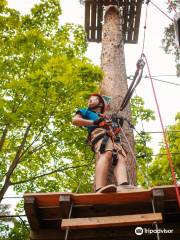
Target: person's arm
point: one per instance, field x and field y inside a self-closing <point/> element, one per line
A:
<point x="79" y="121"/>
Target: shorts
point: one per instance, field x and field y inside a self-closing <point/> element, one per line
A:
<point x="109" y="145"/>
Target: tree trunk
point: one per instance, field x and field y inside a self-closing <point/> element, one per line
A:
<point x="114" y="83"/>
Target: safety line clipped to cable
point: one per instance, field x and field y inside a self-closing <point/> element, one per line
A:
<point x="161" y="11"/>
<point x="136" y="80"/>
<point x="164" y="135"/>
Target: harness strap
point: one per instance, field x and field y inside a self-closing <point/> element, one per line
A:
<point x="103" y="144"/>
<point x="96" y="139"/>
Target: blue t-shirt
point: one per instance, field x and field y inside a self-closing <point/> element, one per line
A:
<point x="89" y="115"/>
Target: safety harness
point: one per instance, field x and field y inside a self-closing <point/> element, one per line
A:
<point x="112" y="127"/>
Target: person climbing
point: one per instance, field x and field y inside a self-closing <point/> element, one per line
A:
<point x="104" y="143"/>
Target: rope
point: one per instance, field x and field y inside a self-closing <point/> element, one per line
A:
<point x="156" y="225"/>
<point x="145" y="26"/>
<point x="161" y="11"/>
<point x="164" y="135"/>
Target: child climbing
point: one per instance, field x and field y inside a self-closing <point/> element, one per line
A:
<point x="105" y="142"/>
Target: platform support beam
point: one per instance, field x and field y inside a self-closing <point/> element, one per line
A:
<point x="65" y="204"/>
<point x="31" y="209"/>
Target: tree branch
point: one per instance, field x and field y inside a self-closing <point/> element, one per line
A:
<point x="14" y="164"/>
<point x="3" y="137"/>
<point x="46" y="174"/>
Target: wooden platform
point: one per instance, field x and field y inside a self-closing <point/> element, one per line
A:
<point x="103" y="216"/>
<point x="94" y="11"/>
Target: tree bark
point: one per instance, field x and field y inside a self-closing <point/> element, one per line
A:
<point x="13" y="165"/>
<point x="115" y="83"/>
<point x="3" y="137"/>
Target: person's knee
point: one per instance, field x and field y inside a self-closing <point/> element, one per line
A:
<point x="105" y="156"/>
<point x="108" y="154"/>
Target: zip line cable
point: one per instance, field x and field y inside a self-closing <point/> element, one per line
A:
<point x="164" y="75"/>
<point x="169" y="131"/>
<point x="172" y="83"/>
<point x="161" y="11"/>
<point x="160" y="154"/>
<point x="164" y="134"/>
<point x="160" y="80"/>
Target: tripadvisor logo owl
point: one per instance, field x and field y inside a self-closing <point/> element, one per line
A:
<point x="139" y="231"/>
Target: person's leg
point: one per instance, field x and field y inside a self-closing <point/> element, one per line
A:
<point x="120" y="171"/>
<point x="103" y="162"/>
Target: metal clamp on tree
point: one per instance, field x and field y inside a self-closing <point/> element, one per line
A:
<point x="177" y="28"/>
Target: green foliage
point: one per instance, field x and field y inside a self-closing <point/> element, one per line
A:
<point x="44" y="78"/>
<point x="169" y="44"/>
<point x="20" y="231"/>
<point x="139" y="113"/>
<point x="143" y="152"/>
<point x="4" y="222"/>
<point x="160" y="169"/>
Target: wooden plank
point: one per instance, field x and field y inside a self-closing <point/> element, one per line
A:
<point x="31" y="211"/>
<point x="137" y="20"/>
<point x="143" y="195"/>
<point x="111" y="221"/>
<point x="46" y="199"/>
<point x="125" y="20"/>
<point x="93" y="20"/>
<point x="99" y="20"/>
<point x="131" y="20"/>
<point x="113" y="198"/>
<point x="87" y="18"/>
